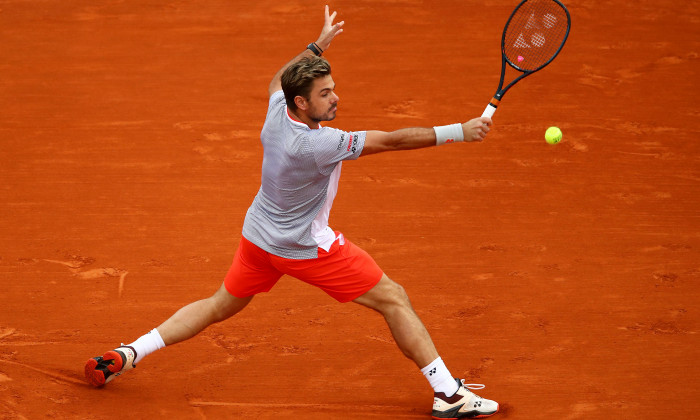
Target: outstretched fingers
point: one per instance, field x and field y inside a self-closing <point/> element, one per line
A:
<point x="330" y="18"/>
<point x="329" y="30"/>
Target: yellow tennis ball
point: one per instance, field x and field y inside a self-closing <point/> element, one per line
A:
<point x="553" y="135"/>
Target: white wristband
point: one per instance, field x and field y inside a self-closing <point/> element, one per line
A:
<point x="447" y="134"/>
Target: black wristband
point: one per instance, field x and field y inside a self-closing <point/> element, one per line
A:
<point x="315" y="49"/>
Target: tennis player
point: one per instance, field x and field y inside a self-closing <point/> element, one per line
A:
<point x="286" y="229"/>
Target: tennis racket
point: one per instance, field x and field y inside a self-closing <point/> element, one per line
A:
<point x="533" y="36"/>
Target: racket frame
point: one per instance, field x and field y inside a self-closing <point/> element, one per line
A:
<point x="500" y="91"/>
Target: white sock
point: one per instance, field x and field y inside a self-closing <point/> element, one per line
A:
<point x="147" y="344"/>
<point x="440" y="378"/>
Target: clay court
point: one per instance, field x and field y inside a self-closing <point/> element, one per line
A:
<point x="563" y="277"/>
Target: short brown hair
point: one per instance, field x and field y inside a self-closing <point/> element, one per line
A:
<point x="298" y="78"/>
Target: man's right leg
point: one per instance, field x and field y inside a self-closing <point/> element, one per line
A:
<point x="195" y="317"/>
<point x="184" y="324"/>
<point x="251" y="273"/>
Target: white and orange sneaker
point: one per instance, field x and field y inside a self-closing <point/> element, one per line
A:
<point x="102" y="369"/>
<point x="464" y="404"/>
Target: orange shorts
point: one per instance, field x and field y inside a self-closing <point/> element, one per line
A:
<point x="345" y="272"/>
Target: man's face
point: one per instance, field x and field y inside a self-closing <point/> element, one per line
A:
<point x="323" y="102"/>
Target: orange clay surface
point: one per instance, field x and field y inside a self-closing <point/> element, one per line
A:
<point x="564" y="277"/>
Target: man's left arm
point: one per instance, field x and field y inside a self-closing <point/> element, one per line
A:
<point x="417" y="138"/>
<point x="329" y="31"/>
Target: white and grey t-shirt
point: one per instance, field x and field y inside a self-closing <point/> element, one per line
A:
<point x="300" y="174"/>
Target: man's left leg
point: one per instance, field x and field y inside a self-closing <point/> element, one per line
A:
<point x="452" y="398"/>
<point x="390" y="299"/>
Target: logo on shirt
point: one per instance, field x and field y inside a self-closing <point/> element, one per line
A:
<point x="342" y="140"/>
<point x="352" y="145"/>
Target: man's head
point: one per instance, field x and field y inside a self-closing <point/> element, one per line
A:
<point x="308" y="85"/>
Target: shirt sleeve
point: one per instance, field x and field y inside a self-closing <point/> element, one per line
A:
<point x="276" y="99"/>
<point x="331" y="146"/>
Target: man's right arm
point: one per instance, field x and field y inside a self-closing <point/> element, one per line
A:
<point x="328" y="32"/>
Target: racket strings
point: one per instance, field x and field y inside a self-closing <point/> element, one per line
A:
<point x="535" y="34"/>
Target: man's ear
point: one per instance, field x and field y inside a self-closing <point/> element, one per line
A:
<point x="301" y="102"/>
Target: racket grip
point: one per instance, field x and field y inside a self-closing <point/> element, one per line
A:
<point x="489" y="111"/>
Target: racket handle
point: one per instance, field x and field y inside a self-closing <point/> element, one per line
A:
<point x="489" y="111"/>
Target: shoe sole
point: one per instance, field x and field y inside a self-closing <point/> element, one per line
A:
<point x="480" y="416"/>
<point x="96" y="377"/>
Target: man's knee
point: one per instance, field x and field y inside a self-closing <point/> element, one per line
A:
<point x="387" y="296"/>
<point x="398" y="294"/>
<point x="393" y="297"/>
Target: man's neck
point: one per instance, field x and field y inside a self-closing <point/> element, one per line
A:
<point x="301" y="116"/>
